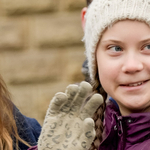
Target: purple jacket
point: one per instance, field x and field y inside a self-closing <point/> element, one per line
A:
<point x="125" y="133"/>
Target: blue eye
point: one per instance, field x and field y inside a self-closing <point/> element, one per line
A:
<point x="116" y="48"/>
<point x="147" y="47"/>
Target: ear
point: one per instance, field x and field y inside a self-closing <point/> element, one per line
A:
<point x="83" y="21"/>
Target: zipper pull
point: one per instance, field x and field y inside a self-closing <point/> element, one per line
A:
<point x="120" y="128"/>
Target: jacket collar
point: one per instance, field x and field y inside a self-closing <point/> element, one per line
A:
<point x="123" y="132"/>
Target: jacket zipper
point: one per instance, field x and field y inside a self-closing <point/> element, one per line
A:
<point x="120" y="133"/>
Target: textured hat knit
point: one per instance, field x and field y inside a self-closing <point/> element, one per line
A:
<point x="102" y="14"/>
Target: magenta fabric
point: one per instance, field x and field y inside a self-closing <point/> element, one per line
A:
<point x="33" y="148"/>
<point x="125" y="133"/>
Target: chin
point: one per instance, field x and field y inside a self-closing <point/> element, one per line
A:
<point x="138" y="109"/>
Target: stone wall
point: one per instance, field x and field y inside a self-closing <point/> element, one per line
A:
<point x="40" y="50"/>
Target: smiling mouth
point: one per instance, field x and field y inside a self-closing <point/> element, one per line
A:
<point x="135" y="84"/>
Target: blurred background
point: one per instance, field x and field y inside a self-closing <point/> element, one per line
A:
<point x="40" y="50"/>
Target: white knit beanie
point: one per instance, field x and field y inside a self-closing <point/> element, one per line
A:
<point x="103" y="13"/>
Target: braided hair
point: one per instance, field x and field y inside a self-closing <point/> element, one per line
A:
<point x="98" y="116"/>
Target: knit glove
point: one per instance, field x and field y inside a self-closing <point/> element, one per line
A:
<point x="67" y="125"/>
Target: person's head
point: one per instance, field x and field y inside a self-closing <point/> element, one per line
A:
<point x="117" y="41"/>
<point x="123" y="58"/>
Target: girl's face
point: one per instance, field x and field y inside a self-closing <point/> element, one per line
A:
<point x="123" y="57"/>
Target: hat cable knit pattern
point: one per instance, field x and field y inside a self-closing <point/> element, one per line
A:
<point x="102" y="14"/>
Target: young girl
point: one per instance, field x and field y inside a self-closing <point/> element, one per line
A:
<point x="117" y="42"/>
<point x="16" y="131"/>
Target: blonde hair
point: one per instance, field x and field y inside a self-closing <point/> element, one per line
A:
<point x="8" y="128"/>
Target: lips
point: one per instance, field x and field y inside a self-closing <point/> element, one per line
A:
<point x="135" y="84"/>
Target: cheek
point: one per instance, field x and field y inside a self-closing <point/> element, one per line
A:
<point x="107" y="74"/>
<point x="108" y="70"/>
<point x="148" y="64"/>
<point x="104" y="72"/>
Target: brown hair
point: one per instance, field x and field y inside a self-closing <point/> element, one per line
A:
<point x="8" y="128"/>
<point x="98" y="116"/>
<point x="88" y="2"/>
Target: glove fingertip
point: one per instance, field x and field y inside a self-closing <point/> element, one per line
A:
<point x="57" y="101"/>
<point x="85" y="84"/>
<point x="60" y="94"/>
<point x="60" y="97"/>
<point x="98" y="98"/>
<point x="89" y="122"/>
<point x="84" y="89"/>
<point x="72" y="89"/>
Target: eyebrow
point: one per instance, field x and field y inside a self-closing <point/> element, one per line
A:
<point x="118" y="41"/>
<point x="111" y="40"/>
<point x="145" y="40"/>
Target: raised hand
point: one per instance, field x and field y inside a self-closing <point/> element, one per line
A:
<point x="68" y="124"/>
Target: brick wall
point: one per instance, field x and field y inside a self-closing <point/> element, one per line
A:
<point x="40" y="50"/>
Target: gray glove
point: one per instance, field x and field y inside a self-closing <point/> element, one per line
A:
<point x="67" y="125"/>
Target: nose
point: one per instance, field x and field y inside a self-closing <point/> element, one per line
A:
<point x="132" y="64"/>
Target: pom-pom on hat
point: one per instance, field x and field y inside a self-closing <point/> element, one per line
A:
<point x="104" y="13"/>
